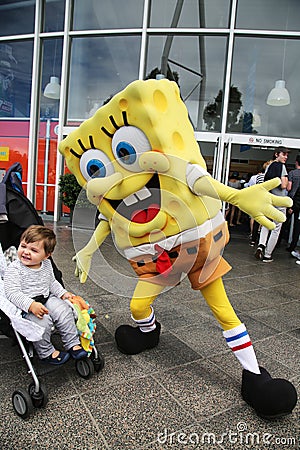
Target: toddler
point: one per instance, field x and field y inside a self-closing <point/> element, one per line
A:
<point x="30" y="285"/>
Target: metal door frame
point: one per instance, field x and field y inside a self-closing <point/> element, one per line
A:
<point x="223" y="147"/>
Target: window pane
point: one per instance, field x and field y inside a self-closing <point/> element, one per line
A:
<point x="257" y="64"/>
<point x="15" y="78"/>
<point x="207" y="150"/>
<point x="192" y="14"/>
<point x="52" y="54"/>
<point x="100" y="67"/>
<point x="54" y="15"/>
<point x="197" y="55"/>
<point x="46" y="166"/>
<point x="47" y="138"/>
<point x="16" y="17"/>
<point x="107" y="14"/>
<point x="273" y="14"/>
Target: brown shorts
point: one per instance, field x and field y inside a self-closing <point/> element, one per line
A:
<point x="201" y="260"/>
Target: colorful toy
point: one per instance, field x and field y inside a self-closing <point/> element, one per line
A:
<point x="140" y="164"/>
<point x="85" y="322"/>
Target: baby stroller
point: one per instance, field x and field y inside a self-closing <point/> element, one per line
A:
<point x="17" y="213"/>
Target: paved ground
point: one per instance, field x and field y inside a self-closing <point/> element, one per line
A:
<point x="185" y="394"/>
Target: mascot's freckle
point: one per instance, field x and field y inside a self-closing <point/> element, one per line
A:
<point x="140" y="164"/>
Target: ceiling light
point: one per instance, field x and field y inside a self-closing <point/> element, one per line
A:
<point x="279" y="95"/>
<point x="52" y="90"/>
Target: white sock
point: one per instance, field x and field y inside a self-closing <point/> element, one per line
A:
<point x="148" y="324"/>
<point x="239" y="341"/>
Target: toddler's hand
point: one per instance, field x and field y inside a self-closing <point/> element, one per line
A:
<point x="38" y="309"/>
<point x="67" y="295"/>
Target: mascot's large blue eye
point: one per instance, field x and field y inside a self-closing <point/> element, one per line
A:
<point x="128" y="143"/>
<point x="96" y="168"/>
<point x="95" y="164"/>
<point x="126" y="152"/>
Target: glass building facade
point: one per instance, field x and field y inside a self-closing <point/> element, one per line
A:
<point x="227" y="56"/>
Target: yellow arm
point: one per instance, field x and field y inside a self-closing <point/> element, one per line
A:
<point x="255" y="200"/>
<point x="84" y="257"/>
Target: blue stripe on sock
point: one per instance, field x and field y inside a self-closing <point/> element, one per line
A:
<point x="237" y="336"/>
<point x="146" y="322"/>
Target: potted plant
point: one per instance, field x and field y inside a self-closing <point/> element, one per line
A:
<point x="69" y="189"/>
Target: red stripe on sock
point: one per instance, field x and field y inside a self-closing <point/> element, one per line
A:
<point x="240" y="347"/>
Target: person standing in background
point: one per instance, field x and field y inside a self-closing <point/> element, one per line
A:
<point x="268" y="239"/>
<point x="235" y="183"/>
<point x="294" y="192"/>
<point x="256" y="179"/>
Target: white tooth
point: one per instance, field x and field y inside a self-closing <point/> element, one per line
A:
<point x="143" y="193"/>
<point x="139" y="195"/>
<point x="130" y="200"/>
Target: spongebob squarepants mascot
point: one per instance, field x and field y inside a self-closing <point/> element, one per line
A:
<point x="140" y="164"/>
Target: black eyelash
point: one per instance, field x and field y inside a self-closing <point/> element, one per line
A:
<point x="114" y="122"/>
<point x="125" y="118"/>
<point x="111" y="118"/>
<point x="81" y="145"/>
<point x="91" y="142"/>
<point x="107" y="132"/>
<point x="74" y="153"/>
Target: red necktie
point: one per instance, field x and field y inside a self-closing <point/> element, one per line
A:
<point x="163" y="262"/>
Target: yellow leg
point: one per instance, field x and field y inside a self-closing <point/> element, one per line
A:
<point x="216" y="298"/>
<point x="143" y="296"/>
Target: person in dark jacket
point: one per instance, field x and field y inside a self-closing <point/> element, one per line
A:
<point x="294" y="192"/>
<point x="268" y="239"/>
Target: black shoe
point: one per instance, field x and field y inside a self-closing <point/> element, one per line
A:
<point x="80" y="353"/>
<point x="131" y="340"/>
<point x="60" y="359"/>
<point x="259" y="252"/>
<point x="267" y="259"/>
<point x="271" y="398"/>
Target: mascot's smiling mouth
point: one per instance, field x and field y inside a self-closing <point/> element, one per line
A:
<point x="143" y="205"/>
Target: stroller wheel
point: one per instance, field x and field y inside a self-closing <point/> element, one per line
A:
<point x="85" y="368"/>
<point x="39" y="399"/>
<point x="98" y="360"/>
<point x="22" y="403"/>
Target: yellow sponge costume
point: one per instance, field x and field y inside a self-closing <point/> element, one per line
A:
<point x="140" y="164"/>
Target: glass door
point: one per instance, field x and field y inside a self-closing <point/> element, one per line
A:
<point x="238" y="157"/>
<point x="248" y="152"/>
<point x="229" y="153"/>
